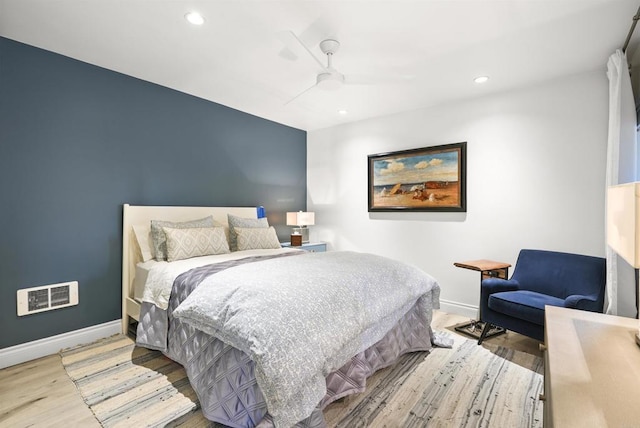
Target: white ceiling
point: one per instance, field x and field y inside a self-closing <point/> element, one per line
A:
<point x="421" y="53"/>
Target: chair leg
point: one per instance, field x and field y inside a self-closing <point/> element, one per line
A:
<point x="485" y="330"/>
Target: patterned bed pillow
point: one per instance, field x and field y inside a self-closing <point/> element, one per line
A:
<point x="159" y="238"/>
<point x="243" y="222"/>
<point x="256" y="238"/>
<point x="195" y="242"/>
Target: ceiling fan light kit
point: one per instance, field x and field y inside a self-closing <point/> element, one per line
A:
<point x="329" y="81"/>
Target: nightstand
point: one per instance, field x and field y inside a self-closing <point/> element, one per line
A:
<point x="312" y="247"/>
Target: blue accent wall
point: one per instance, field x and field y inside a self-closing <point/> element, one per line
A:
<point x="77" y="141"/>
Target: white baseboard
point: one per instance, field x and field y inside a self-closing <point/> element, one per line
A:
<point x="458" y="308"/>
<point x="51" y="345"/>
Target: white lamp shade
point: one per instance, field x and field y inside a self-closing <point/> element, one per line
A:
<point x="300" y="218"/>
<point x="623" y="221"/>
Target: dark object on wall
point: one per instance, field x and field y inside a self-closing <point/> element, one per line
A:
<point x="425" y="179"/>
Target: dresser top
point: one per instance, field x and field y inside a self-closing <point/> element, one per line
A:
<point x="593" y="368"/>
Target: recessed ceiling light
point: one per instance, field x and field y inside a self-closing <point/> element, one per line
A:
<point x="481" y="79"/>
<point x="342" y="112"/>
<point x="195" y="18"/>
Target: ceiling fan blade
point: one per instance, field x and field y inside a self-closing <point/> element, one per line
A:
<point x="297" y="39"/>
<point x="301" y="93"/>
<point x="287" y="51"/>
<point x="364" y="79"/>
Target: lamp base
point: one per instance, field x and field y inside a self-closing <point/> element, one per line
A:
<point x="304" y="231"/>
<point x="296" y="240"/>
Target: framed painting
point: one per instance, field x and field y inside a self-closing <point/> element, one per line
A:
<point x="425" y="179"/>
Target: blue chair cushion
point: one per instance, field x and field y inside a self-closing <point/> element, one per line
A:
<point x="523" y="304"/>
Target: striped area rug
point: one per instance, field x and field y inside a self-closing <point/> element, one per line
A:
<point x="128" y="386"/>
<point x="466" y="386"/>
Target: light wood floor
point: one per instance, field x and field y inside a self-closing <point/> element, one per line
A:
<point x="39" y="394"/>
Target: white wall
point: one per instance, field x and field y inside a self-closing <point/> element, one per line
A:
<point x="535" y="179"/>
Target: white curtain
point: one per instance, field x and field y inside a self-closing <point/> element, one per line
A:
<point x="621" y="153"/>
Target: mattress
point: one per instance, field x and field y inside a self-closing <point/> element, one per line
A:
<point x="140" y="279"/>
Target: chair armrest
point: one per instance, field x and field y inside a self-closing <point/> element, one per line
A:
<point x="497" y="285"/>
<point x="494" y="285"/>
<point x="578" y="301"/>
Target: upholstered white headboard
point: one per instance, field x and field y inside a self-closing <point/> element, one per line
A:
<point x="139" y="215"/>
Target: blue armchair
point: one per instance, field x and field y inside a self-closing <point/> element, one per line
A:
<point x="541" y="278"/>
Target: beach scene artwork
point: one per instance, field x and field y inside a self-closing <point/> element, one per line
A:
<point x="422" y="179"/>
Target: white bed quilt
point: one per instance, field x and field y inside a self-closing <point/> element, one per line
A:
<point x="326" y="307"/>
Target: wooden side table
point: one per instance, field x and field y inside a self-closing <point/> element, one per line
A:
<point x="487" y="269"/>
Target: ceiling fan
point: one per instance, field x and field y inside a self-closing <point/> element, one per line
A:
<point x="330" y="78"/>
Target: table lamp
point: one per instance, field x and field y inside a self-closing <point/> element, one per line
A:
<point x="623" y="227"/>
<point x="300" y="220"/>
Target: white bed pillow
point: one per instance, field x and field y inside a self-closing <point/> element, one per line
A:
<point x="243" y="222"/>
<point x="159" y="239"/>
<point x="195" y="242"/>
<point x="142" y="233"/>
<point x="256" y="238"/>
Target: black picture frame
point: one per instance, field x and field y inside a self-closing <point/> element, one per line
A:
<point x="424" y="179"/>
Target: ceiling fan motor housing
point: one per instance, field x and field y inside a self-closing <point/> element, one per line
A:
<point x="330" y="81"/>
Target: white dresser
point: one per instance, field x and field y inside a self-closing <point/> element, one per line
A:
<point x="592" y="370"/>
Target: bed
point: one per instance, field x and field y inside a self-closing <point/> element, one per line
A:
<point x="270" y="336"/>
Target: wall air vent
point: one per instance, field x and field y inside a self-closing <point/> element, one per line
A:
<point x="47" y="297"/>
